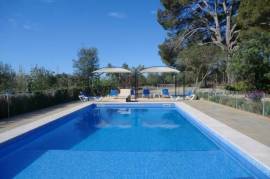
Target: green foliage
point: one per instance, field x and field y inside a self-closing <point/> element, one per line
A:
<point x="202" y="61"/>
<point x="239" y="103"/>
<point x="169" y="52"/>
<point x="21" y="81"/>
<point x="86" y="63"/>
<point x="7" y="77"/>
<point x="22" y="103"/>
<point x="251" y="63"/>
<point x="103" y="87"/>
<point x="169" y="17"/>
<point x="254" y="14"/>
<point x="41" y="79"/>
<point x="198" y="56"/>
<point x="64" y="81"/>
<point x="243" y="86"/>
<point x="230" y="88"/>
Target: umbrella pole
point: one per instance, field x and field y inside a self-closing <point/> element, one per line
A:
<point x="184" y="83"/>
<point x="175" y="85"/>
<point x="136" y="84"/>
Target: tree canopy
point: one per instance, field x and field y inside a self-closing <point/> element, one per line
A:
<point x="239" y="28"/>
<point x="251" y="63"/>
<point x="86" y="63"/>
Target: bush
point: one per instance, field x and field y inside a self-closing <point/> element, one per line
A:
<point x="230" y="88"/>
<point x="239" y="86"/>
<point x="22" y="103"/>
<point x="255" y="95"/>
<point x="243" y="86"/>
<point x="267" y="108"/>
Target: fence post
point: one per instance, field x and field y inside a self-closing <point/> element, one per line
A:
<point x="8" y="111"/>
<point x="235" y="99"/>
<point x="263" y="105"/>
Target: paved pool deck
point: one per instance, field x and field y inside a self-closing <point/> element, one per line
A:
<point x="255" y="126"/>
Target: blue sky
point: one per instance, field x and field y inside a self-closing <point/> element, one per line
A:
<point x="49" y="33"/>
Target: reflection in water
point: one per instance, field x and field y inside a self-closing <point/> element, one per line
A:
<point x="85" y="124"/>
<point x="159" y="125"/>
<point x="127" y="118"/>
<point x="118" y="124"/>
<point x="167" y="121"/>
<point x="124" y="111"/>
<point x="112" y="118"/>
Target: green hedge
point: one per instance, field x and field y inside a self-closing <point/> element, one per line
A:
<point x="22" y="103"/>
<point x="239" y="103"/>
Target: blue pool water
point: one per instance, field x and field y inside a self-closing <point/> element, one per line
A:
<point x="112" y="141"/>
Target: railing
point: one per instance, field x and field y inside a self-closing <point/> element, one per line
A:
<point x="238" y="100"/>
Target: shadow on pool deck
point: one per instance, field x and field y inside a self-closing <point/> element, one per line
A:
<point x="252" y="125"/>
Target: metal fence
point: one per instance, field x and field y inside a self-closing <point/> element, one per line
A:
<point x="237" y="100"/>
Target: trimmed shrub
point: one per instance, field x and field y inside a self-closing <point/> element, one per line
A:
<point x="22" y="103"/>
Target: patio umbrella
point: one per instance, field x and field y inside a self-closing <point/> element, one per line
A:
<point x="159" y="70"/>
<point x="112" y="70"/>
<point x="162" y="70"/>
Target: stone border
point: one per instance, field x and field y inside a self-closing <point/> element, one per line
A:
<point x="256" y="153"/>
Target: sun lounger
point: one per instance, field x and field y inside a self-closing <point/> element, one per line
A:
<point x="124" y="93"/>
<point x="146" y="93"/>
<point x="84" y="98"/>
<point x="132" y="93"/>
<point x="165" y="93"/>
<point x="113" y="93"/>
<point x="190" y="96"/>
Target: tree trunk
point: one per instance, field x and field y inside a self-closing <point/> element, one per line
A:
<point x="230" y="76"/>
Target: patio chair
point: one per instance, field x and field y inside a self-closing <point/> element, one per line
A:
<point x="146" y="93"/>
<point x="189" y="95"/>
<point x="165" y="93"/>
<point x="83" y="97"/>
<point x="132" y="93"/>
<point x="113" y="93"/>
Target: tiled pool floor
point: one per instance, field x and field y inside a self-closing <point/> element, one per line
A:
<point x="183" y="164"/>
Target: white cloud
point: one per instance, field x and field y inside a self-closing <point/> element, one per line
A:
<point x="27" y="27"/>
<point x="12" y="21"/>
<point x="17" y="24"/>
<point x="117" y="15"/>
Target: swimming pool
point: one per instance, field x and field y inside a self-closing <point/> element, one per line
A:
<point x="120" y="141"/>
